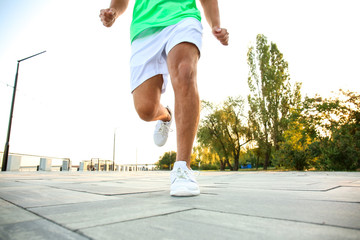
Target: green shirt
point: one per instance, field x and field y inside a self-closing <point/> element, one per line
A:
<point x="152" y="15"/>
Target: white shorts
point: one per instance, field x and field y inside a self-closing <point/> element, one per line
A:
<point x="149" y="54"/>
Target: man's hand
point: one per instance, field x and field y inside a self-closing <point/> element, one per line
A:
<point x="108" y="16"/>
<point x="221" y="34"/>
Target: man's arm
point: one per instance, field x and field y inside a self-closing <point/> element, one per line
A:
<point x="109" y="15"/>
<point x="212" y="15"/>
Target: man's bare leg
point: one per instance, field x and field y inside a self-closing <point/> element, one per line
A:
<point x="182" y="64"/>
<point x="147" y="100"/>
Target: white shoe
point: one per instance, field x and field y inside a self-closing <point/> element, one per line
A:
<point x="162" y="129"/>
<point x="183" y="182"/>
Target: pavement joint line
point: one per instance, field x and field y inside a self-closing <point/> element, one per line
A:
<point x="73" y="203"/>
<point x="324" y="200"/>
<point x="72" y="190"/>
<point x="59" y="205"/>
<point x="281" y="219"/>
<point x="100" y="194"/>
<point x="133" y="193"/>
<point x="206" y="193"/>
<point x="54" y="180"/>
<point x="312" y="183"/>
<point x="20" y="180"/>
<point x="314" y="190"/>
<point x="140" y="218"/>
<point x="104" y="194"/>
<point x="293" y="190"/>
<point x="45" y="218"/>
<point x="77" y="182"/>
<point x="219" y="187"/>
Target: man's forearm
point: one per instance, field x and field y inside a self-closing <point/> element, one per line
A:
<point x="211" y="11"/>
<point x="119" y="6"/>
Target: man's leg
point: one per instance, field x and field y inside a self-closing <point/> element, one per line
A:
<point x="147" y="100"/>
<point x="182" y="64"/>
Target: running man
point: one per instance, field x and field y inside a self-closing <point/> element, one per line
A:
<point x="166" y="39"/>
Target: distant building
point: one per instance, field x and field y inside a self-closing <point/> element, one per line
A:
<point x="96" y="164"/>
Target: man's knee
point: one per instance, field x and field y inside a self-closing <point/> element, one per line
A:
<point x="184" y="78"/>
<point x="146" y="112"/>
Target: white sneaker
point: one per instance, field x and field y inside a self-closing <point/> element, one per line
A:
<point x="183" y="182"/>
<point x="162" y="129"/>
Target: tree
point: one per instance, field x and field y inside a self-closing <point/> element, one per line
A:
<point x="223" y="130"/>
<point x="294" y="151"/>
<point x="254" y="155"/>
<point x="166" y="161"/>
<point x="206" y="158"/>
<point x="271" y="95"/>
<point x="335" y="124"/>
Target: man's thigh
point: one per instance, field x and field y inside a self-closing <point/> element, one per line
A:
<point x="149" y="92"/>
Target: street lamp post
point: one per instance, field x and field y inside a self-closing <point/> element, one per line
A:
<point x="170" y="161"/>
<point x="114" y="150"/>
<point x="136" y="159"/>
<point x="7" y="144"/>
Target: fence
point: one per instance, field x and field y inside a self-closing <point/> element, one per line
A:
<point x="26" y="162"/>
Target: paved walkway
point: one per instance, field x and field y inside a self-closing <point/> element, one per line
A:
<point x="241" y="205"/>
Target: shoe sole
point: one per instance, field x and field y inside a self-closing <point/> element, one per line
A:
<point x="183" y="192"/>
<point x="162" y="143"/>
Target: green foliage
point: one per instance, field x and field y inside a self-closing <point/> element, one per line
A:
<point x="272" y="96"/>
<point x="323" y="134"/>
<point x="206" y="158"/>
<point x="252" y="156"/>
<point x="335" y="124"/>
<point x="224" y="131"/>
<point x="166" y="160"/>
<point x="294" y="152"/>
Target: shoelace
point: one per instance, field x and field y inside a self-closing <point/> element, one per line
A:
<point x="184" y="174"/>
<point x="164" y="128"/>
<point x="195" y="173"/>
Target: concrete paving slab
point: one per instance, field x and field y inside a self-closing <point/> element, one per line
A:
<point x="5" y="184"/>
<point x="343" y="193"/>
<point x="37" y="229"/>
<point x="278" y="205"/>
<point x="202" y="224"/>
<point x="33" y="196"/>
<point x="18" y="223"/>
<point x="91" y="214"/>
<point x="116" y="188"/>
<point x="285" y="182"/>
<point x="11" y="214"/>
<point x="137" y="205"/>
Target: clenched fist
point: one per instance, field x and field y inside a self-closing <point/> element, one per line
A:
<point x="108" y="16"/>
<point x="221" y="34"/>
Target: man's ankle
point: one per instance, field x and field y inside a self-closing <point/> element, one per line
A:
<point x="169" y="116"/>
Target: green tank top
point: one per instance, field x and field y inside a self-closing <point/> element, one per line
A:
<point x="154" y="15"/>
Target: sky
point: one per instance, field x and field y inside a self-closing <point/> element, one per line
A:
<point x="74" y="98"/>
